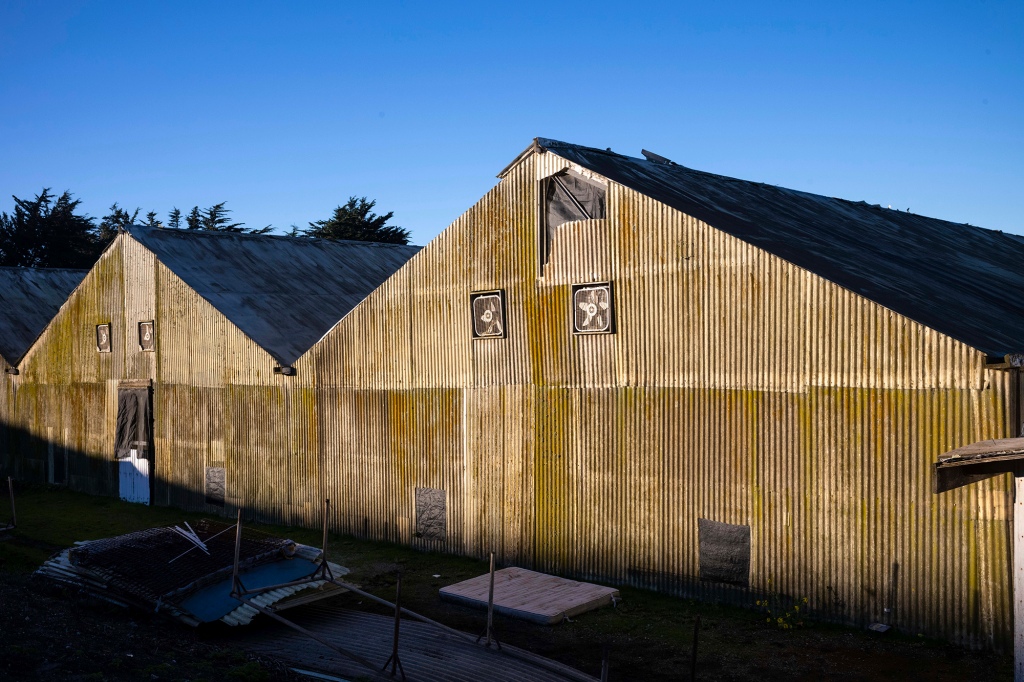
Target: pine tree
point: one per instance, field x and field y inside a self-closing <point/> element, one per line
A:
<point x="356" y="221"/>
<point x="174" y="218"/>
<point x="116" y="221"/>
<point x="215" y="219"/>
<point x="47" y="233"/>
<point x="194" y="220"/>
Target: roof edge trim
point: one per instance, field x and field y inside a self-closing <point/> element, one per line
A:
<point x="271" y="354"/>
<point x="88" y="271"/>
<point x="535" y="147"/>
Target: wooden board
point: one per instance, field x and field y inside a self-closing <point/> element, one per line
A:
<point x="426" y="653"/>
<point x="532" y="596"/>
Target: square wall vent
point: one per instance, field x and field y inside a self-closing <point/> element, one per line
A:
<point x="147" y="336"/>
<point x="593" y="308"/>
<point x="103" y="338"/>
<point x="488" y="308"/>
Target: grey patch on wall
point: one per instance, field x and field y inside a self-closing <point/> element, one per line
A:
<point x="215" y="485"/>
<point x="724" y="552"/>
<point x="430" y="514"/>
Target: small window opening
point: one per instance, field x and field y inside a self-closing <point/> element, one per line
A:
<point x="569" y="197"/>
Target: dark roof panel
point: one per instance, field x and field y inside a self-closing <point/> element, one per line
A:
<point x="29" y="299"/>
<point x="960" y="280"/>
<point x="284" y="293"/>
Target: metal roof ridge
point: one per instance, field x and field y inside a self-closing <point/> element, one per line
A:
<point x="245" y="235"/>
<point x="32" y="269"/>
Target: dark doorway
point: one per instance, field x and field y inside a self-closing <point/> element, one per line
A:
<point x="133" y="446"/>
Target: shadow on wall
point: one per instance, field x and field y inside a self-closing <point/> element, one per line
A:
<point x="29" y="458"/>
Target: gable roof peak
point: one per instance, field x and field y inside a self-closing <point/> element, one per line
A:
<point x="955" y="278"/>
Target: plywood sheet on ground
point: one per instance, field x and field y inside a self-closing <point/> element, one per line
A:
<point x="529" y="595"/>
<point x="426" y="653"/>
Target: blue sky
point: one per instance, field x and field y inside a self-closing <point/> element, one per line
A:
<point x="284" y="110"/>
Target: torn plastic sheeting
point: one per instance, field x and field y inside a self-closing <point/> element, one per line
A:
<point x="215" y="601"/>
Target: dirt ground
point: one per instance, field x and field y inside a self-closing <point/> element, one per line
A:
<point x="50" y="632"/>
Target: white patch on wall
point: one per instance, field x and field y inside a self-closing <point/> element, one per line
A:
<point x="147" y="336"/>
<point x="593" y="309"/>
<point x="488" y="314"/>
<point x="103" y="338"/>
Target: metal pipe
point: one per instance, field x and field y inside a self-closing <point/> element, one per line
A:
<point x="14" y="515"/>
<point x="490" y="611"/>
<point x="323" y="548"/>
<point x="235" y="581"/>
<point x="394" y="661"/>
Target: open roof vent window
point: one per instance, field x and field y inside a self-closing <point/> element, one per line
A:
<point x="568" y="197"/>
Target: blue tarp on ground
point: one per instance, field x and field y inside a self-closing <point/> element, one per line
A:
<point x="214" y="601"/>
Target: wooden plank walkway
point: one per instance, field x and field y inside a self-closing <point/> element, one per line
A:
<point x="426" y="653"/>
<point x="532" y="596"/>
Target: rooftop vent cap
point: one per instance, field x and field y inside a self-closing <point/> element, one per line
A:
<point x="657" y="158"/>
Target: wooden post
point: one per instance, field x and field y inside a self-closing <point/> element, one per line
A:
<point x="324" y="570"/>
<point x="1018" y="576"/>
<point x="490" y="612"/>
<point x="490" y="605"/>
<point x="394" y="661"/>
<point x="235" y="580"/>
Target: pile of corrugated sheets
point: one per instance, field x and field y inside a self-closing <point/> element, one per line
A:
<point x="186" y="572"/>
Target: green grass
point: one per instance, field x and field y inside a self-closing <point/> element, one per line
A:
<point x="649" y="635"/>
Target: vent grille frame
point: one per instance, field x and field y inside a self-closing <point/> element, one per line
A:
<point x="103" y="341"/>
<point x="147" y="336"/>
<point x="488" y="319"/>
<point x="592" y="306"/>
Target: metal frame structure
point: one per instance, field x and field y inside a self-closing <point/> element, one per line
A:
<point x="323" y="573"/>
<point x="13" y="523"/>
<point x="976" y="462"/>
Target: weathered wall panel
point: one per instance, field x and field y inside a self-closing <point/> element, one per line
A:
<point x="216" y="400"/>
<point x="738" y="388"/>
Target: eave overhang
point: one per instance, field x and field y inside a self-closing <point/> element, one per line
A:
<point x="978" y="461"/>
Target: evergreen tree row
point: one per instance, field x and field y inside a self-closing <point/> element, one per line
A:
<point x="48" y="232"/>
